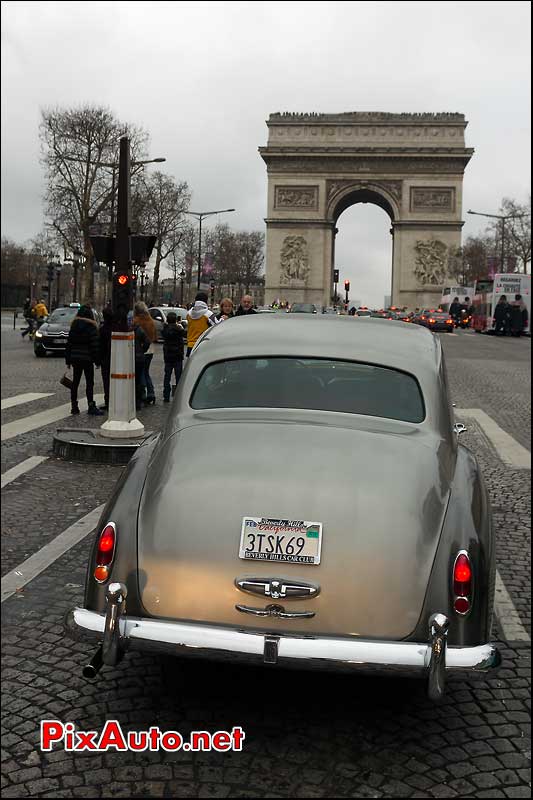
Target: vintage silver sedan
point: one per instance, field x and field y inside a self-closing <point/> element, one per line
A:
<point x="307" y="504"/>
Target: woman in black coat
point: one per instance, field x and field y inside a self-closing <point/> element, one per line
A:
<point x="82" y="353"/>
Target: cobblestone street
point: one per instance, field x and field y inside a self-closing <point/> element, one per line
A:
<point x="307" y="734"/>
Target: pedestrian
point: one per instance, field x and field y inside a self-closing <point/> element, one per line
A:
<point x="455" y="310"/>
<point x="31" y="318"/>
<point x="105" y="332"/>
<point x="518" y="316"/>
<point x="142" y="317"/>
<point x="41" y="311"/>
<point x="173" y="338"/>
<point x="226" y="309"/>
<point x="246" y="307"/>
<point x="142" y="344"/>
<point x="199" y="319"/>
<point x="82" y="353"/>
<point x="501" y="316"/>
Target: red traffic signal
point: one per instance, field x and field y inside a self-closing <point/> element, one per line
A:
<point x="122" y="279"/>
<point x="346" y="286"/>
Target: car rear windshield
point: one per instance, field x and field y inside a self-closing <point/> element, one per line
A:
<point x="303" y="308"/>
<point x="322" y="384"/>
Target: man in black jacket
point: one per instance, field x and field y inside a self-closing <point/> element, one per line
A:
<point x="82" y="353"/>
<point x="173" y="336"/>
<point x="246" y="306"/>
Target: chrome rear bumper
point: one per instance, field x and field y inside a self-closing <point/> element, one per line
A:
<point x="429" y="659"/>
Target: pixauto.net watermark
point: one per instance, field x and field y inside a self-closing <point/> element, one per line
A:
<point x="113" y="738"/>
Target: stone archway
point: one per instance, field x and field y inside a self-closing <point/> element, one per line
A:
<point x="318" y="165"/>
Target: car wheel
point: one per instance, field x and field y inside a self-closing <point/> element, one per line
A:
<point x="40" y="352"/>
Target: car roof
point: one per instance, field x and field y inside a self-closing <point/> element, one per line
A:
<point x="409" y="348"/>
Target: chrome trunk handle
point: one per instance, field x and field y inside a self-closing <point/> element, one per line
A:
<point x="275" y="611"/>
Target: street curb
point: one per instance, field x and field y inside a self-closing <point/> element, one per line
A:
<point x="89" y="446"/>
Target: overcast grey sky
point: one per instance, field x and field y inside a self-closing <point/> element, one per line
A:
<point x="202" y="78"/>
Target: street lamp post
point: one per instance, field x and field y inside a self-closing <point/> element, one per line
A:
<point x="199" y="216"/>
<point x="58" y="275"/>
<point x="182" y="278"/>
<point x="142" y="270"/>
<point x="76" y="265"/>
<point x="503" y="218"/>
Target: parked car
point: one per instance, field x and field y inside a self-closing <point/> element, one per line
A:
<point x="159" y="316"/>
<point x="52" y="335"/>
<point x="403" y="585"/>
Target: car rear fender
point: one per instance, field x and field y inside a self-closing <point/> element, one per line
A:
<point x="122" y="509"/>
<point x="467" y="526"/>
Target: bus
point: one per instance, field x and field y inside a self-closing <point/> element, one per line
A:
<point x="489" y="290"/>
<point x="449" y="292"/>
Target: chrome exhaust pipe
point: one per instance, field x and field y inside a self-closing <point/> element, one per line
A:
<point x="91" y="670"/>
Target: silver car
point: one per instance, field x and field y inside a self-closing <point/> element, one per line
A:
<point x="159" y="316"/>
<point x="344" y="528"/>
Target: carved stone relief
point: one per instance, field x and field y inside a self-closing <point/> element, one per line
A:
<point x="312" y="166"/>
<point x="294" y="260"/>
<point x="433" y="199"/>
<point x="431" y="262"/>
<point x="301" y="197"/>
<point x="394" y="188"/>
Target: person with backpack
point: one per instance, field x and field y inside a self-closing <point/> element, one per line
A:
<point x="142" y="317"/>
<point x="82" y="353"/>
<point x="173" y="337"/>
<point x="142" y="344"/>
<point x="199" y="319"/>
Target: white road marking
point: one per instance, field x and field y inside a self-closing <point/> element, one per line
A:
<point x="26" y="424"/>
<point x="37" y="563"/>
<point x="24" y="466"/>
<point x="510" y="451"/>
<point x="508" y="617"/>
<point x="18" y="399"/>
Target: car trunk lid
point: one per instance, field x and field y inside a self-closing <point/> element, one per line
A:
<point x="381" y="498"/>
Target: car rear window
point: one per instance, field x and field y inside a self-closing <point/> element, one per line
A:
<point x="321" y="384"/>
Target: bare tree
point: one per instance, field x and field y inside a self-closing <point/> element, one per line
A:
<point x="518" y="231"/>
<point x="250" y="250"/>
<point x="76" y="144"/>
<point x="158" y="207"/>
<point x="470" y="262"/>
<point x="517" y="235"/>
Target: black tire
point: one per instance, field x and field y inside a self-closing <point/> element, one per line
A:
<point x="39" y="352"/>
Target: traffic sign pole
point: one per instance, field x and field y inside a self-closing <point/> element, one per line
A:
<point x="122" y="421"/>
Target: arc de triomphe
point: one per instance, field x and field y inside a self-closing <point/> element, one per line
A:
<point x="318" y="165"/>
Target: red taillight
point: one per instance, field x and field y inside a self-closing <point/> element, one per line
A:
<point x="462" y="583"/>
<point x="449" y="322"/>
<point x="105" y="552"/>
<point x="431" y="319"/>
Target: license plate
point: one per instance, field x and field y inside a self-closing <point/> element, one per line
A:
<point x="283" y="540"/>
<point x="58" y="341"/>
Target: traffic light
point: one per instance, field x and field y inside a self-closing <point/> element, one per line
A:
<point x="346" y="286"/>
<point x="335" y="276"/>
<point x="50" y="269"/>
<point x="122" y="295"/>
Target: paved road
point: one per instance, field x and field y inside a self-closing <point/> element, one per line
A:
<point x="309" y="735"/>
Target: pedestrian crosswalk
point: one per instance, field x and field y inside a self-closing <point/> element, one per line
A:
<point x="19" y="399"/>
<point x="20" y="469"/>
<point x="42" y="418"/>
